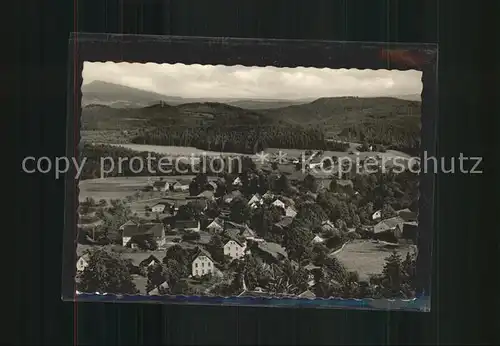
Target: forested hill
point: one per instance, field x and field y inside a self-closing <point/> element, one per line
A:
<point x="389" y="121"/>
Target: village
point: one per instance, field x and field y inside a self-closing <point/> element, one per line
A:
<point x="239" y="234"/>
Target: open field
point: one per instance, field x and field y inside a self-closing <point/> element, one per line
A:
<point x="171" y="150"/>
<point x="368" y="257"/>
<point x="121" y="187"/>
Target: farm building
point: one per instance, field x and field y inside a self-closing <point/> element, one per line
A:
<point x="389" y="229"/>
<point x="188" y="225"/>
<point x="133" y="234"/>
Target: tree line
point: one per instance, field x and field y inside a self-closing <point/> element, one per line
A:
<point x="240" y="139"/>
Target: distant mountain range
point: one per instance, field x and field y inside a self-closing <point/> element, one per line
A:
<point x="119" y="96"/>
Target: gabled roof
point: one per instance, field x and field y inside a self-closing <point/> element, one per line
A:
<point x="215" y="222"/>
<point x="407" y="214"/>
<point x="148" y="260"/>
<point x="388" y="224"/>
<point x="235" y="239"/>
<point x="202" y="252"/>
<point x="307" y="294"/>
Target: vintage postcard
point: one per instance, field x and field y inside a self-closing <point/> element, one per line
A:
<point x="259" y="184"/>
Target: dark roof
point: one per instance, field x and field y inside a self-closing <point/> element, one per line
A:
<point x="156" y="229"/>
<point x="388" y="224"/>
<point x="159" y="183"/>
<point x="233" y="234"/>
<point x="148" y="260"/>
<point x="407" y="214"/>
<point x="202" y="252"/>
<point x="186" y="224"/>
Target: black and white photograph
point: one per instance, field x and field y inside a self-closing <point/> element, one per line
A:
<point x="235" y="181"/>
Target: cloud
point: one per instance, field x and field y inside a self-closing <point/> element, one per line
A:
<point x="206" y="81"/>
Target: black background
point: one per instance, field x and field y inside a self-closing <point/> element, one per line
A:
<point x="465" y="303"/>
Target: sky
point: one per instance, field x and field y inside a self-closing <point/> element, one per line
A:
<point x="207" y="81"/>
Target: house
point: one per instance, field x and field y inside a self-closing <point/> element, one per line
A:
<point x="235" y="248"/>
<point x="237" y="182"/>
<point x="255" y="201"/>
<point x="160" y="185"/>
<point x="317" y="240"/>
<point x="377" y="215"/>
<point x="161" y="207"/>
<point x="188" y="225"/>
<point x="389" y="229"/>
<point x="132" y="232"/>
<point x="149" y="261"/>
<point x="307" y="295"/>
<point x="202" y="263"/>
<point x="82" y="263"/>
<point x="216" y="225"/>
<point x="180" y="187"/>
<point x="407" y="215"/>
<point x="290" y="212"/>
<point x="128" y="223"/>
<point x="159" y="290"/>
<point x="278" y="203"/>
<point x="247" y="232"/>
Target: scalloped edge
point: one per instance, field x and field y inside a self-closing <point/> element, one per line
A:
<point x="421" y="304"/>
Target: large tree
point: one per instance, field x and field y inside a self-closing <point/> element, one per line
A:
<point x="106" y="272"/>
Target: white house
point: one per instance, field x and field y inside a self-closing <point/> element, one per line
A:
<point x="181" y="188"/>
<point x="290" y="212"/>
<point x="131" y="232"/>
<point x="255" y="201"/>
<point x="215" y="226"/>
<point x="377" y="215"/>
<point x="82" y="263"/>
<point x="237" y="182"/>
<point x="202" y="264"/>
<point x="234" y="249"/>
<point x="159" y="208"/>
<point x="278" y="203"/>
